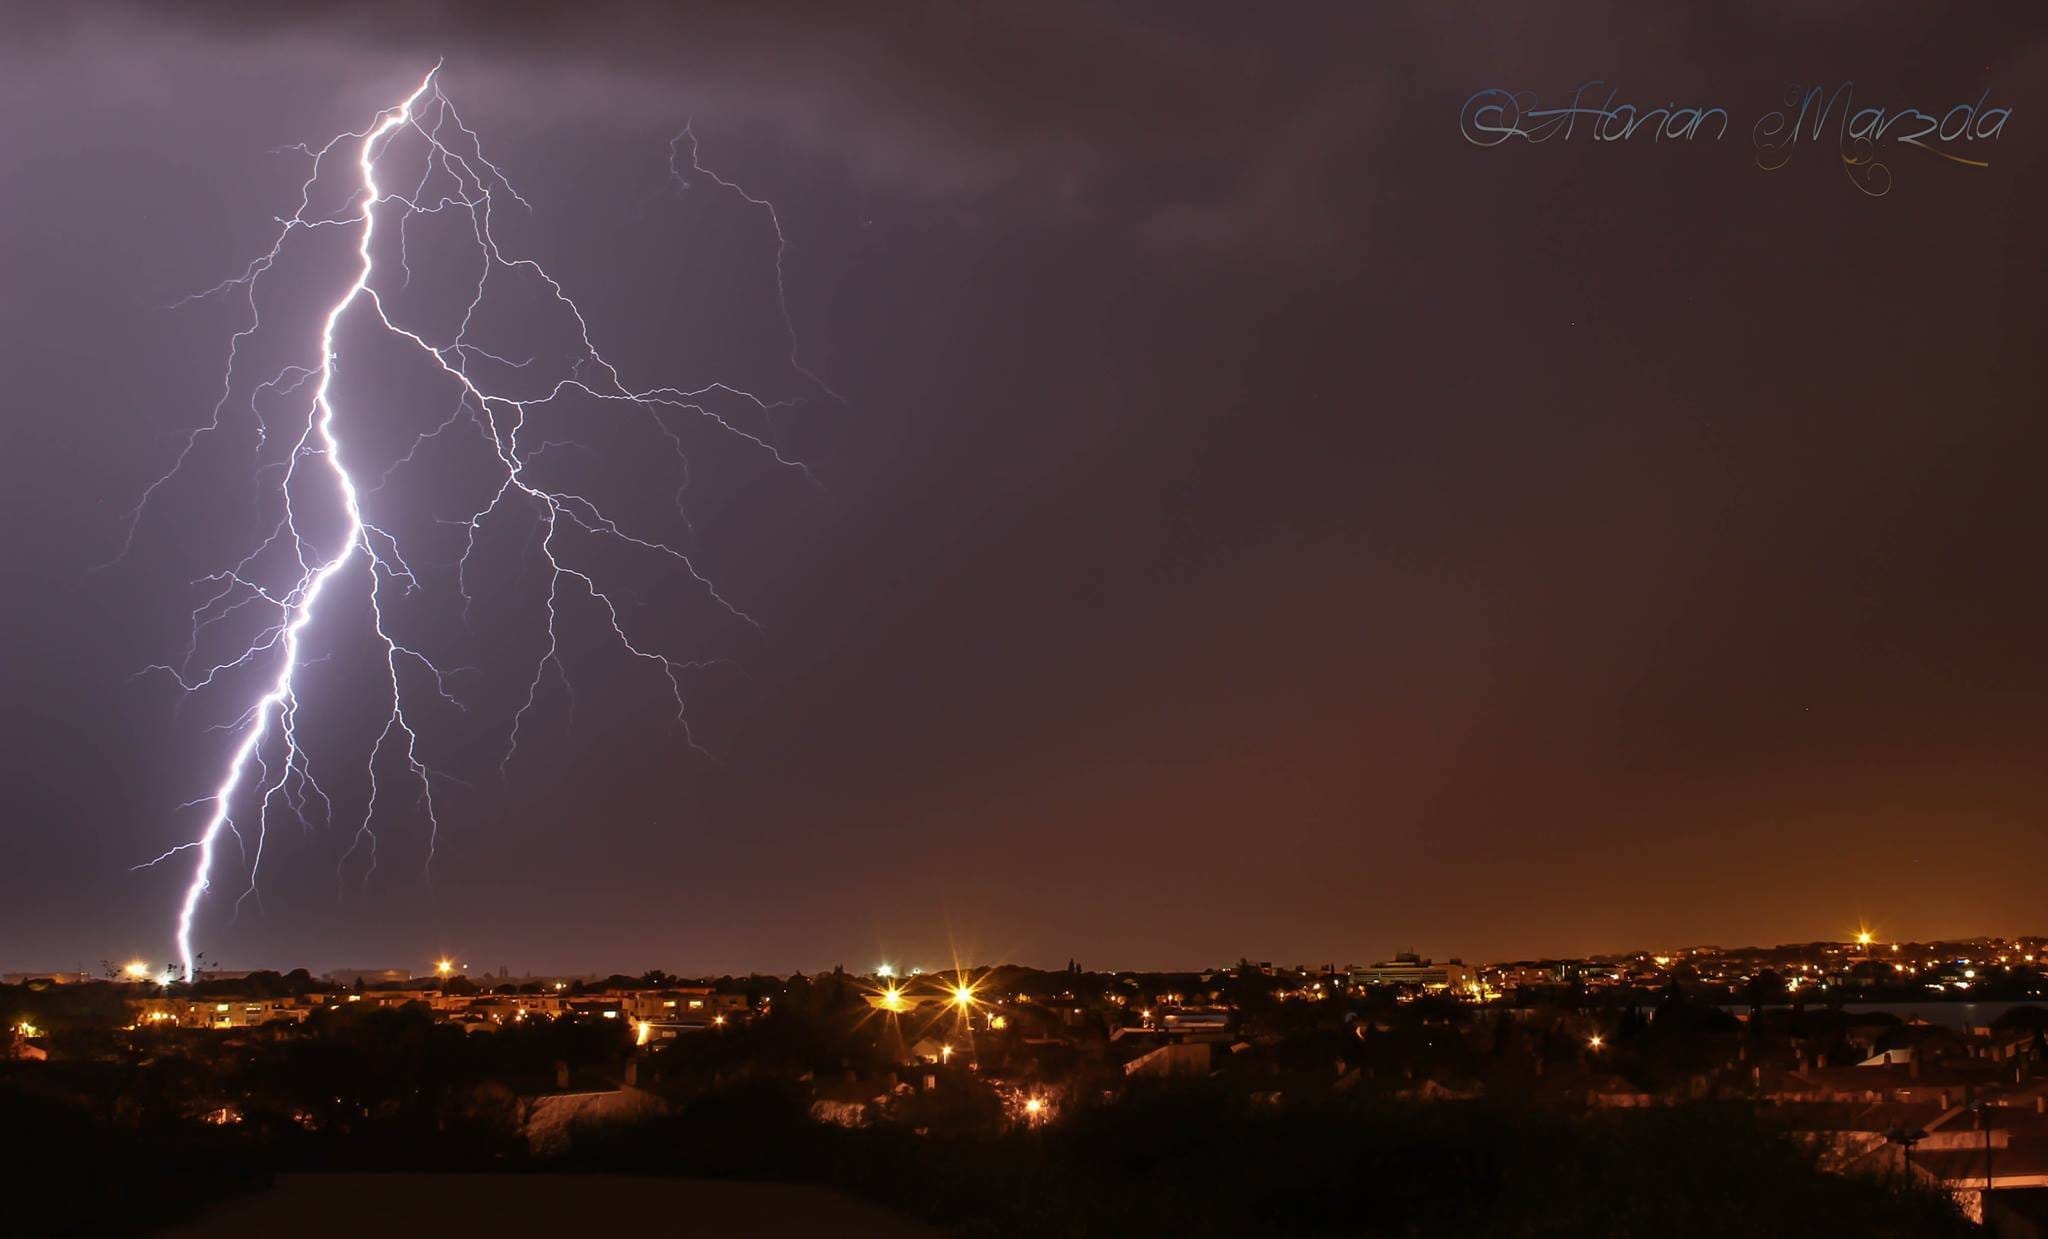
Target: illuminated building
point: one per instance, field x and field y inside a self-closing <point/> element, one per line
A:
<point x="1411" y="969"/>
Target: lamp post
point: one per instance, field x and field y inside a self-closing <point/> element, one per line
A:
<point x="1906" y="1139"/>
<point x="1984" y="1125"/>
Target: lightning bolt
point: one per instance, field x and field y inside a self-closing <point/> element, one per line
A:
<point x="268" y="765"/>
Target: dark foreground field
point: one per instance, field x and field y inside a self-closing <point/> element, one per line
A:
<point x="1186" y="1161"/>
<point x="349" y="1206"/>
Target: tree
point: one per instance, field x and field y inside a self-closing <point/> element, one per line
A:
<point x="1763" y="990"/>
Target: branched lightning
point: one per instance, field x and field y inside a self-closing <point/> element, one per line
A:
<point x="268" y="766"/>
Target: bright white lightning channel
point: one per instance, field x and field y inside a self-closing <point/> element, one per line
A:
<point x="467" y="182"/>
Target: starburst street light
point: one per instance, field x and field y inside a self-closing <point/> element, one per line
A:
<point x="962" y="995"/>
<point x="444" y="967"/>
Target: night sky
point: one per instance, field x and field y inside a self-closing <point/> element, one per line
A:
<point x="1258" y="521"/>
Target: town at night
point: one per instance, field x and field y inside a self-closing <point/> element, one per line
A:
<point x="1916" y="1073"/>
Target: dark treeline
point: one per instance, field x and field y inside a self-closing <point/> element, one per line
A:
<point x="1203" y="1160"/>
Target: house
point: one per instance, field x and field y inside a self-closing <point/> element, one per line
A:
<point x="549" y="1118"/>
<point x="1184" y="1060"/>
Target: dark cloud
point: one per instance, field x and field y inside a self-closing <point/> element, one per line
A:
<point x="1219" y="134"/>
<point x="1260" y="522"/>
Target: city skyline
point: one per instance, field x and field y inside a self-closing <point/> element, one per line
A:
<point x="446" y="963"/>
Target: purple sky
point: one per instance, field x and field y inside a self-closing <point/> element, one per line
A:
<point x="1259" y="523"/>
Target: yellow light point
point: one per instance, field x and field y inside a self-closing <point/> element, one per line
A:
<point x="945" y="1053"/>
<point x="884" y="971"/>
<point x="892" y="998"/>
<point x="1034" y="1107"/>
<point x="1596" y="1041"/>
<point x="27" y="1029"/>
<point x="137" y="971"/>
<point x="718" y="1021"/>
<point x="641" y="1032"/>
<point x="963" y="996"/>
<point x="444" y="966"/>
<point x="1864" y="937"/>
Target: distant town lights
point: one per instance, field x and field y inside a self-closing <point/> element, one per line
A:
<point x="137" y="971"/>
<point x="884" y="971"/>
